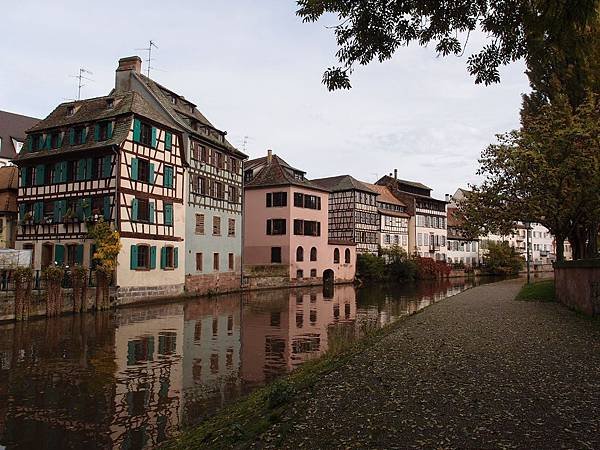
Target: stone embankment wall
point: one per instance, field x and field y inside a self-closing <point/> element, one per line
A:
<point x="38" y="303"/>
<point x="577" y="285"/>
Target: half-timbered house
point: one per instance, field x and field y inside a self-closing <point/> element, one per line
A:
<point x="115" y="157"/>
<point x="427" y="225"/>
<point x="393" y="219"/>
<point x="212" y="187"/>
<point x="353" y="212"/>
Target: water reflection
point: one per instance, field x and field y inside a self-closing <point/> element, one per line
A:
<point x="130" y="379"/>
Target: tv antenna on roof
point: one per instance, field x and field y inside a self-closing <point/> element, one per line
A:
<point x="80" y="78"/>
<point x="149" y="60"/>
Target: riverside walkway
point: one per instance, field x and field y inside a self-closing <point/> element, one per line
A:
<point x="478" y="370"/>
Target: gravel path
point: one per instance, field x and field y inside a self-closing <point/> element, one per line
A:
<point x="479" y="370"/>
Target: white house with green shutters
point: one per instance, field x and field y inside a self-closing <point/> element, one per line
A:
<point x="116" y="158"/>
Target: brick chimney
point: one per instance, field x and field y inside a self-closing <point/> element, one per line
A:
<point x="269" y="156"/>
<point x="125" y="70"/>
<point x="395" y="174"/>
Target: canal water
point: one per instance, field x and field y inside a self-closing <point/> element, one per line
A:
<point x="132" y="378"/>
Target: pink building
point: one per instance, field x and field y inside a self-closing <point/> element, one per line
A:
<point x="286" y="229"/>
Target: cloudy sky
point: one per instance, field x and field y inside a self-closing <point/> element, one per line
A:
<point x="254" y="69"/>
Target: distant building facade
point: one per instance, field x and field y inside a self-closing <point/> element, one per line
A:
<point x="286" y="228"/>
<point x="13" y="129"/>
<point x="393" y="219"/>
<point x="9" y="184"/>
<point x="427" y="232"/>
<point x="353" y="213"/>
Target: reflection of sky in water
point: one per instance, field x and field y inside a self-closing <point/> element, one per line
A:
<point x="131" y="378"/>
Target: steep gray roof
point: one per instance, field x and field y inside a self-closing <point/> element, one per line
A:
<point x="343" y="183"/>
<point x="13" y="126"/>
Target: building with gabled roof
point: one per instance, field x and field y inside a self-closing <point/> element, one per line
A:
<point x="427" y="224"/>
<point x="393" y="219"/>
<point x="286" y="228"/>
<point x="133" y="158"/>
<point x="353" y="212"/>
<point x="9" y="183"/>
<point x="12" y="134"/>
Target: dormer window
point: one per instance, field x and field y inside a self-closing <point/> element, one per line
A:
<point x="110" y="103"/>
<point x="173" y="99"/>
<point x="70" y="110"/>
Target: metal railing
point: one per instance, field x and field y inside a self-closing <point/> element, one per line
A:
<point x="7" y="282"/>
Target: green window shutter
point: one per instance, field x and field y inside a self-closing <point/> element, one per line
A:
<point x="79" y="254"/>
<point x="89" y="162"/>
<point x="28" y="143"/>
<point x="168" y="177"/>
<point x="134" y="209"/>
<point x="97" y="132"/>
<point x="151" y="173"/>
<point x="39" y="175"/>
<point x="137" y="130"/>
<point x="47" y="142"/>
<point x="134" y="257"/>
<point x="24" y="171"/>
<point x="106" y="208"/>
<point x="57" y="215"/>
<point x="153" y="137"/>
<point x="56" y="175"/>
<point x="81" y="170"/>
<point x="88" y="207"/>
<point x="71" y="136"/>
<point x="168" y="140"/>
<point x="38" y="211"/>
<point x="63" y="172"/>
<point x="63" y="208"/>
<point x="22" y="211"/>
<point x="151" y="212"/>
<point x="163" y="257"/>
<point x="134" y="169"/>
<point x="84" y="135"/>
<point x="60" y="140"/>
<point x="176" y="257"/>
<point x="59" y="254"/>
<point x="106" y="166"/>
<point x="153" y="257"/>
<point x="79" y="208"/>
<point x="168" y="214"/>
<point x="109" y="130"/>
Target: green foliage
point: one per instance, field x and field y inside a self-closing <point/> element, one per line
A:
<point x="540" y="31"/>
<point x="79" y="272"/>
<point x="280" y="392"/>
<point x="541" y="291"/>
<point x="370" y="267"/>
<point x="399" y="265"/>
<point x="502" y="259"/>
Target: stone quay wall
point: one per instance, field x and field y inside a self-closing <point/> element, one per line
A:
<point x="577" y="285"/>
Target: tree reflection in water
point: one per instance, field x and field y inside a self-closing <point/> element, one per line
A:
<point x="131" y="378"/>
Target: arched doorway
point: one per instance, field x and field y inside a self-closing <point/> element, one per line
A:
<point x="328" y="276"/>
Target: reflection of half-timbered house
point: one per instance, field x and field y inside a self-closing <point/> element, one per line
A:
<point x="352" y="212"/>
<point x="117" y="157"/>
<point x="213" y="186"/>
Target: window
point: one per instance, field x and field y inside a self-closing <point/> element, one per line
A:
<point x="336" y="256"/>
<point x="168" y="176"/>
<point x="199" y="225"/>
<point x="299" y="254"/>
<point x="276" y="226"/>
<point x="143" y="257"/>
<point x="201" y="185"/>
<point x="275" y="255"/>
<point x="70" y="110"/>
<point x="146" y="134"/>
<point x="55" y="140"/>
<point x="219" y="160"/>
<point x="168" y="214"/>
<point x="143" y="167"/>
<point x="307" y="228"/>
<point x="199" y="262"/>
<point x="216" y="226"/>
<point x="167" y="258"/>
<point x="231" y="227"/>
<point x="313" y="273"/>
<point x="347" y="256"/>
<point x="234" y="165"/>
<point x="313" y="254"/>
<point x="78" y="136"/>
<point x="215" y="261"/>
<point x="218" y="190"/>
<point x="143" y="210"/>
<point x="233" y="194"/>
<point x="231" y="261"/>
<point x="298" y="200"/>
<point x="299" y="274"/>
<point x="276" y="199"/>
<point x="103" y="131"/>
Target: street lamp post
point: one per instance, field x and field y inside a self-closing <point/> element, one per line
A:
<point x="528" y="254"/>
